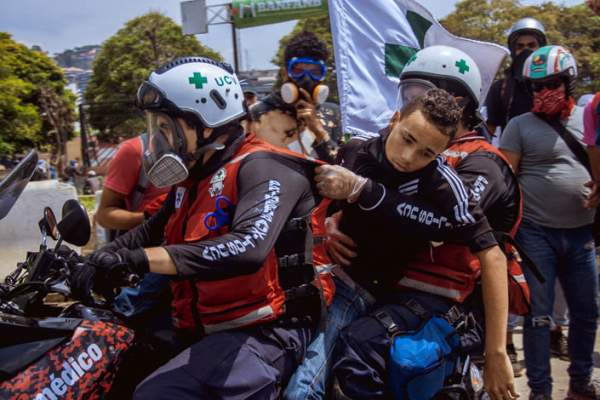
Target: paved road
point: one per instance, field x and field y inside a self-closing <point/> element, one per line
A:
<point x="559" y="371"/>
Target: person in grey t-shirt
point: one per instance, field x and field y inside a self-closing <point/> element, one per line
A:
<point x="556" y="228"/>
<point x="552" y="179"/>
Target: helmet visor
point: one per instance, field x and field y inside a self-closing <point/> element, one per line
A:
<point x="162" y="157"/>
<point x="149" y="97"/>
<point x="164" y="137"/>
<point x="409" y="89"/>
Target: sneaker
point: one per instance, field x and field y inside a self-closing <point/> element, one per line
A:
<point x="514" y="360"/>
<point x="558" y="344"/>
<point x="585" y="391"/>
<point x="539" y="396"/>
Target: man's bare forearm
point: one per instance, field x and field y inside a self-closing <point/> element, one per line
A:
<point x="118" y="218"/>
<point x="160" y="261"/>
<point x="495" y="298"/>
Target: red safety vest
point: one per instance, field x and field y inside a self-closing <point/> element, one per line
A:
<point x="212" y="306"/>
<point x="451" y="270"/>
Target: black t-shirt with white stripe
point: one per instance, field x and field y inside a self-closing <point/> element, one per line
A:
<point x="398" y="214"/>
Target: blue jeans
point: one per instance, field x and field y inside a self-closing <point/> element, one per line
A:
<point x="560" y="315"/>
<point x="310" y="379"/>
<point x="570" y="256"/>
<point x="134" y="301"/>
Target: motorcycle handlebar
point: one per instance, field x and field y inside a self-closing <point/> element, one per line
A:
<point x="53" y="271"/>
<point x="131" y="280"/>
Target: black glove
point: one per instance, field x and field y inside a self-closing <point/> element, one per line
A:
<point x="82" y="282"/>
<point x="121" y="261"/>
<point x="105" y="272"/>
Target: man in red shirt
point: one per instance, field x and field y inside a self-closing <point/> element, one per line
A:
<point x="127" y="194"/>
<point x="127" y="199"/>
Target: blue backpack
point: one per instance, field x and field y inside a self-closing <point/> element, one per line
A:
<point x="420" y="361"/>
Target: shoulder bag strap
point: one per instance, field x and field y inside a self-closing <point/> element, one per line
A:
<point x="574" y="145"/>
<point x="143" y="182"/>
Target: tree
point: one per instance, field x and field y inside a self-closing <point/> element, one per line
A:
<point x="124" y="61"/>
<point x="59" y="113"/>
<point x="575" y="28"/>
<point x="24" y="76"/>
<point x="321" y="27"/>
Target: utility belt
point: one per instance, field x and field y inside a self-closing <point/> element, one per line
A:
<point x="423" y="360"/>
<point x="298" y="277"/>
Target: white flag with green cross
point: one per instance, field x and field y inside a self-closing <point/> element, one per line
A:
<point x="373" y="40"/>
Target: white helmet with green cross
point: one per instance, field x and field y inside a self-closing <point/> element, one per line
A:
<point x="447" y="68"/>
<point x="201" y="86"/>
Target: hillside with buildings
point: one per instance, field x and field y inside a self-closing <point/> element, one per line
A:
<point x="77" y="66"/>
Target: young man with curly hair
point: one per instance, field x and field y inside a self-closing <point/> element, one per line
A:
<point x="291" y="117"/>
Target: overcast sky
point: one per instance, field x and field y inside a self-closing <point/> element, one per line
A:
<point x="58" y="25"/>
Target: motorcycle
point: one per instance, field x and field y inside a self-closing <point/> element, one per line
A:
<point x="51" y="345"/>
<point x="54" y="345"/>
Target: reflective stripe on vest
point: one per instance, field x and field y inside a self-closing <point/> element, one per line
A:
<point x="453" y="294"/>
<point x="248" y="319"/>
<point x="325" y="268"/>
<point x="456" y="262"/>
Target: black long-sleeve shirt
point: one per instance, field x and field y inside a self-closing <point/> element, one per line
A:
<point x="508" y="98"/>
<point x="398" y="214"/>
<point x="492" y="185"/>
<point x="271" y="191"/>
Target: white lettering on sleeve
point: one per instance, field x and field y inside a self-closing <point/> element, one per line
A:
<point x="258" y="231"/>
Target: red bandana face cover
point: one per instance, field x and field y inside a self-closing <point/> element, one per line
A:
<point x="551" y="102"/>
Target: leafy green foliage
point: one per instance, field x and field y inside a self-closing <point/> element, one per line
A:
<point x="19" y="121"/>
<point x="125" y="60"/>
<point x="24" y="75"/>
<point x="575" y="28"/>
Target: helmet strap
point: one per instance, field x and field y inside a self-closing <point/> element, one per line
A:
<point x="203" y="150"/>
<point x="205" y="145"/>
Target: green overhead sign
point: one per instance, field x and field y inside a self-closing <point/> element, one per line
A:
<point x="247" y="13"/>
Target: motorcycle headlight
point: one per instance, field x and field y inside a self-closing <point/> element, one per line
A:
<point x="475" y="378"/>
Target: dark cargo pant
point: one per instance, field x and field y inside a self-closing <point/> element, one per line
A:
<point x="251" y="363"/>
<point x="362" y="350"/>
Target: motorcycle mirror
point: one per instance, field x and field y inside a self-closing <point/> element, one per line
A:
<point x="48" y="224"/>
<point x="74" y="227"/>
<point x="14" y="183"/>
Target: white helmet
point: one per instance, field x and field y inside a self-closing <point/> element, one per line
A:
<point x="443" y="67"/>
<point x="206" y="88"/>
<point x="201" y="91"/>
